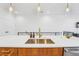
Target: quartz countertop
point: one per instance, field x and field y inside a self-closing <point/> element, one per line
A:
<point x="19" y="42"/>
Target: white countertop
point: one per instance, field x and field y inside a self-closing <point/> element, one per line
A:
<point x="19" y="42"/>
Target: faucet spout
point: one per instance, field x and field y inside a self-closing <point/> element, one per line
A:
<point x="39" y="32"/>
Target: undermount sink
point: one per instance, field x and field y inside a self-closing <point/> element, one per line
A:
<point x="39" y="41"/>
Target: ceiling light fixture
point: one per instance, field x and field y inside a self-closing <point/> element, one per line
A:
<point x="11" y="9"/>
<point x="67" y="8"/>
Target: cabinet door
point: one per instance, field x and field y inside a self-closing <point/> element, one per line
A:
<point x="8" y="52"/>
<point x="40" y="52"/>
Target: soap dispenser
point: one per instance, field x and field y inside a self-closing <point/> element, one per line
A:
<point x="30" y="34"/>
<point x="33" y="35"/>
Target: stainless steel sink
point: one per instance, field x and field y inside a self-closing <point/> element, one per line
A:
<point x="39" y="41"/>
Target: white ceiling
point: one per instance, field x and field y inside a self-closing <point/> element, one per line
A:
<point x="47" y="8"/>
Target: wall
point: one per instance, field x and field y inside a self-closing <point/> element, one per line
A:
<point x="47" y="22"/>
<point x="7" y="23"/>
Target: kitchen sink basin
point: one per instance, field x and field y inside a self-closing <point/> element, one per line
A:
<point x="39" y="41"/>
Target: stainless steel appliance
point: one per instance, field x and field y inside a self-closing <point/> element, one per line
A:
<point x="73" y="51"/>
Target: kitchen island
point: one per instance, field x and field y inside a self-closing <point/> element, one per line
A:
<point x="15" y="45"/>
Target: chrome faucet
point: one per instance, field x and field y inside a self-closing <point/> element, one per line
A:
<point x="39" y="32"/>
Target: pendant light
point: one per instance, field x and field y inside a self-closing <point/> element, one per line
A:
<point x="38" y="7"/>
<point x="11" y="9"/>
<point x="67" y="8"/>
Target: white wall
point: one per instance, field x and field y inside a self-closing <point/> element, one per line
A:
<point x="31" y="22"/>
<point x="47" y="23"/>
<point x="7" y="23"/>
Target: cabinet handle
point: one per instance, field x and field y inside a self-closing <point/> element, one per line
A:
<point x="66" y="50"/>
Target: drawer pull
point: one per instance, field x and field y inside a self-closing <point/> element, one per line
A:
<point x="66" y="50"/>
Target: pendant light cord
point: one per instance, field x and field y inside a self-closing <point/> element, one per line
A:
<point x="67" y="5"/>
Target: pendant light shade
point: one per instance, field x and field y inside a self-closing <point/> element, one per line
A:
<point x="11" y="9"/>
<point x="38" y="8"/>
<point x="67" y="8"/>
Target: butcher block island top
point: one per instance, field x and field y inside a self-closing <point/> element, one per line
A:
<point x="20" y="41"/>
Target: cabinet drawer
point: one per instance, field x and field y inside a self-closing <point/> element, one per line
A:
<point x="8" y="52"/>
